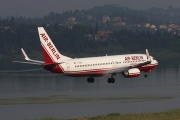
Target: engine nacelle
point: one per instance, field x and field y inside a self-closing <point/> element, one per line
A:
<point x="131" y="73"/>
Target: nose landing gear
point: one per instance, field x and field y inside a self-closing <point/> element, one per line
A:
<point x="146" y="74"/>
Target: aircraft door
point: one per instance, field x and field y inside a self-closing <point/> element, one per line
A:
<point x="67" y="67"/>
<point x="114" y="64"/>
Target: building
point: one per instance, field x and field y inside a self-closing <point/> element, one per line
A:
<point x="153" y="27"/>
<point x="106" y="18"/>
<point x="117" y="19"/>
<point x="147" y="25"/>
<point x="90" y="17"/>
<point x="103" y="35"/>
<point x="71" y="20"/>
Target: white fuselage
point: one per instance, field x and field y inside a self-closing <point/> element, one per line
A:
<point x="98" y="66"/>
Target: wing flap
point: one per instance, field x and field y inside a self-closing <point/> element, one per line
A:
<point x="117" y="70"/>
<point x="140" y="64"/>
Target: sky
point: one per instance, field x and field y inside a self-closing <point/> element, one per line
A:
<point x="39" y="8"/>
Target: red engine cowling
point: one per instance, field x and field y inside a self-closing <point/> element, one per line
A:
<point x="131" y="73"/>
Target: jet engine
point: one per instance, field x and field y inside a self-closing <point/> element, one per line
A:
<point x="131" y="73"/>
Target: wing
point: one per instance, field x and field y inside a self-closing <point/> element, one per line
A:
<point x="144" y="63"/>
<point x="140" y="64"/>
<point x="117" y="70"/>
<point x="35" y="62"/>
<point x="30" y="61"/>
<point x="19" y="71"/>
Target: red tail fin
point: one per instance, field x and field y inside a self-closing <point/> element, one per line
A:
<point x="50" y="52"/>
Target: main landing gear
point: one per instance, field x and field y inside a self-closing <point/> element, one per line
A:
<point x="111" y="80"/>
<point x="146" y="74"/>
<point x="90" y="80"/>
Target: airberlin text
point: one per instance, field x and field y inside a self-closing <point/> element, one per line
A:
<point x="51" y="47"/>
<point x="44" y="37"/>
<point x="134" y="58"/>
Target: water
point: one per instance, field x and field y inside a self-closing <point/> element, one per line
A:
<point x="161" y="82"/>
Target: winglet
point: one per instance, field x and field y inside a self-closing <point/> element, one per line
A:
<point x="25" y="55"/>
<point x="28" y="59"/>
<point x="148" y="56"/>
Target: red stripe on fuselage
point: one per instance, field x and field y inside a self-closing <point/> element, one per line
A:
<point x="93" y="73"/>
<point x="90" y="70"/>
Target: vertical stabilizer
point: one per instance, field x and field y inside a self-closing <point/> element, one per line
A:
<point x="50" y="52"/>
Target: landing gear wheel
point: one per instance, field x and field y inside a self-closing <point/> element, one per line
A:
<point x="146" y="74"/>
<point x="90" y="80"/>
<point x="111" y="80"/>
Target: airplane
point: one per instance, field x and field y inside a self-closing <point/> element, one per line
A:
<point x="129" y="65"/>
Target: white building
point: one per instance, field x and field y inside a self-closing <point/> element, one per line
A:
<point x="106" y="18"/>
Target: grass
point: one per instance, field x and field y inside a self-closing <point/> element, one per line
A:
<point x="53" y="100"/>
<point x="167" y="115"/>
